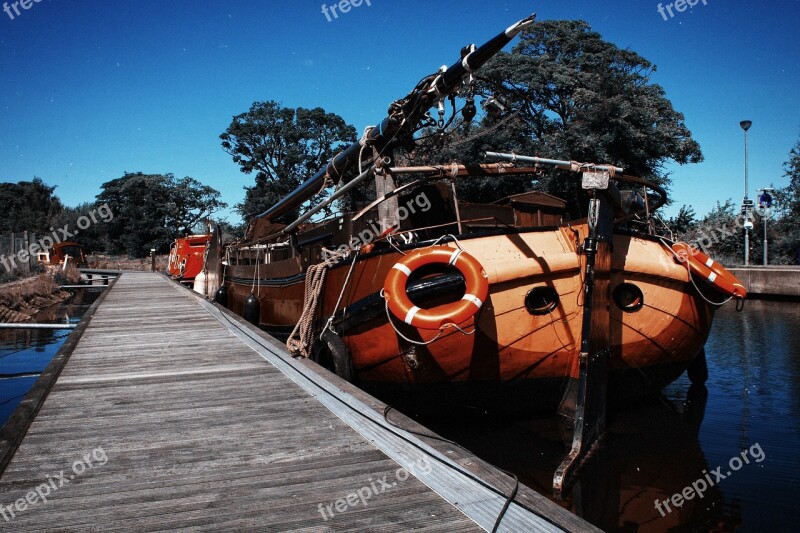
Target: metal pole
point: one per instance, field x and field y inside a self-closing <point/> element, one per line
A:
<point x="565" y="165"/>
<point x="766" y="216"/>
<point x="329" y="200"/>
<point x="23" y="325"/>
<point x="746" y="209"/>
<point x="746" y="244"/>
<point x="745" y="164"/>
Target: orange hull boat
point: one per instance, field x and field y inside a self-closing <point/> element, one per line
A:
<point x="187" y="256"/>
<point x="503" y="304"/>
<point x="524" y="342"/>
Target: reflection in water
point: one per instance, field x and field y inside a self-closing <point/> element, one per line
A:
<point x="25" y="353"/>
<point x="658" y="448"/>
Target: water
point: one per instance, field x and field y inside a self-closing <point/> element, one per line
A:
<point x="658" y="448"/>
<point x="25" y="353"/>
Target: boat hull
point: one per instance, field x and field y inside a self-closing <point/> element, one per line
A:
<point x="511" y="352"/>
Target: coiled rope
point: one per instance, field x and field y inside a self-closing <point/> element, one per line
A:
<point x="301" y="338"/>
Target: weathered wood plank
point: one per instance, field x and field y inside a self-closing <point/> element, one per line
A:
<point x="202" y="431"/>
<point x="198" y="431"/>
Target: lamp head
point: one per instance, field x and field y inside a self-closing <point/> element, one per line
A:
<point x="745" y="124"/>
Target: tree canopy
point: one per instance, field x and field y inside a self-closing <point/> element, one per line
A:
<point x="28" y="206"/>
<point x="787" y="234"/>
<point x="720" y="232"/>
<point x="151" y="210"/>
<point x="283" y="147"/>
<point x="571" y="95"/>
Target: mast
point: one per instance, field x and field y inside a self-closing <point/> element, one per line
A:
<point x="404" y="116"/>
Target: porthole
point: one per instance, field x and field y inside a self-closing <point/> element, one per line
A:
<point x="628" y="297"/>
<point x="541" y="300"/>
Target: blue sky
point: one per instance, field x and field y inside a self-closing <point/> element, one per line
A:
<point x="93" y="89"/>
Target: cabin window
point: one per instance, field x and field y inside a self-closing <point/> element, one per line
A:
<point x="541" y="300"/>
<point x="628" y="297"/>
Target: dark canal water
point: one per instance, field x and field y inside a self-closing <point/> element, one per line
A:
<point x="656" y="449"/>
<point x="25" y="353"/>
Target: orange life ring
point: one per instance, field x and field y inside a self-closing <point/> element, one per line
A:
<point x="394" y="288"/>
<point x="709" y="270"/>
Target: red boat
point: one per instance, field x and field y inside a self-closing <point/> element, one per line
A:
<point x="186" y="256"/>
<point x="70" y="251"/>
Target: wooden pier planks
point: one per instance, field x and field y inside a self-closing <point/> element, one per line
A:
<point x="201" y="432"/>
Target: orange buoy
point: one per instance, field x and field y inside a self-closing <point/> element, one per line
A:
<point x="709" y="270"/>
<point x="394" y="288"/>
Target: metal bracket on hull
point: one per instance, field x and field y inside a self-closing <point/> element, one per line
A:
<point x="585" y="399"/>
<point x="590" y="417"/>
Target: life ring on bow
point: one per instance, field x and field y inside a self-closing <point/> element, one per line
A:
<point x="394" y="288"/>
<point x="709" y="270"/>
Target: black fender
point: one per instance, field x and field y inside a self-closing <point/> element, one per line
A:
<point x="342" y="362"/>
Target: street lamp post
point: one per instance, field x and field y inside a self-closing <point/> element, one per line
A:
<point x="765" y="203"/>
<point x="745" y="124"/>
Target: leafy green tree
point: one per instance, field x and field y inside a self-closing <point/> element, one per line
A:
<point x="684" y="221"/>
<point x="571" y="95"/>
<point x="719" y="234"/>
<point x="28" y="206"/>
<point x="283" y="147"/>
<point x="151" y="210"/>
<point x="190" y="203"/>
<point x="94" y="238"/>
<point x="785" y="234"/>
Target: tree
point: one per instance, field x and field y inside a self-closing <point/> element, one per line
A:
<point x="785" y="245"/>
<point x="151" y="210"/>
<point x="684" y="221"/>
<point x="283" y="147"/>
<point x="571" y="95"/>
<point x="719" y="234"/>
<point x="94" y="238"/>
<point x="190" y="203"/>
<point x="28" y="206"/>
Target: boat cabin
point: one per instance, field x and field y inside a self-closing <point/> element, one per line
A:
<point x="70" y="251"/>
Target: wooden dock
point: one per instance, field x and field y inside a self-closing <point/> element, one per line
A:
<point x="168" y="413"/>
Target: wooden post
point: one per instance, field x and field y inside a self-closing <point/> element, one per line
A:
<point x="27" y="244"/>
<point x="388" y="211"/>
<point x="13" y="250"/>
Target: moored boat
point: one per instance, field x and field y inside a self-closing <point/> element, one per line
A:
<point x="422" y="298"/>
<point x="187" y="256"/>
<point x="63" y="253"/>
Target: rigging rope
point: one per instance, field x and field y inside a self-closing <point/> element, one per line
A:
<point x="301" y="338"/>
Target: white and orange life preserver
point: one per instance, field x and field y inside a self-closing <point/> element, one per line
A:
<point x="709" y="270"/>
<point x="394" y="288"/>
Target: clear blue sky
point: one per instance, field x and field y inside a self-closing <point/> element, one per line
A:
<point x="93" y="89"/>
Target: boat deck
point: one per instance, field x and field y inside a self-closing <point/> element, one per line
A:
<point x="164" y="412"/>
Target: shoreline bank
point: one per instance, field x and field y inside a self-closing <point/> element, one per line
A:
<point x="21" y="300"/>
